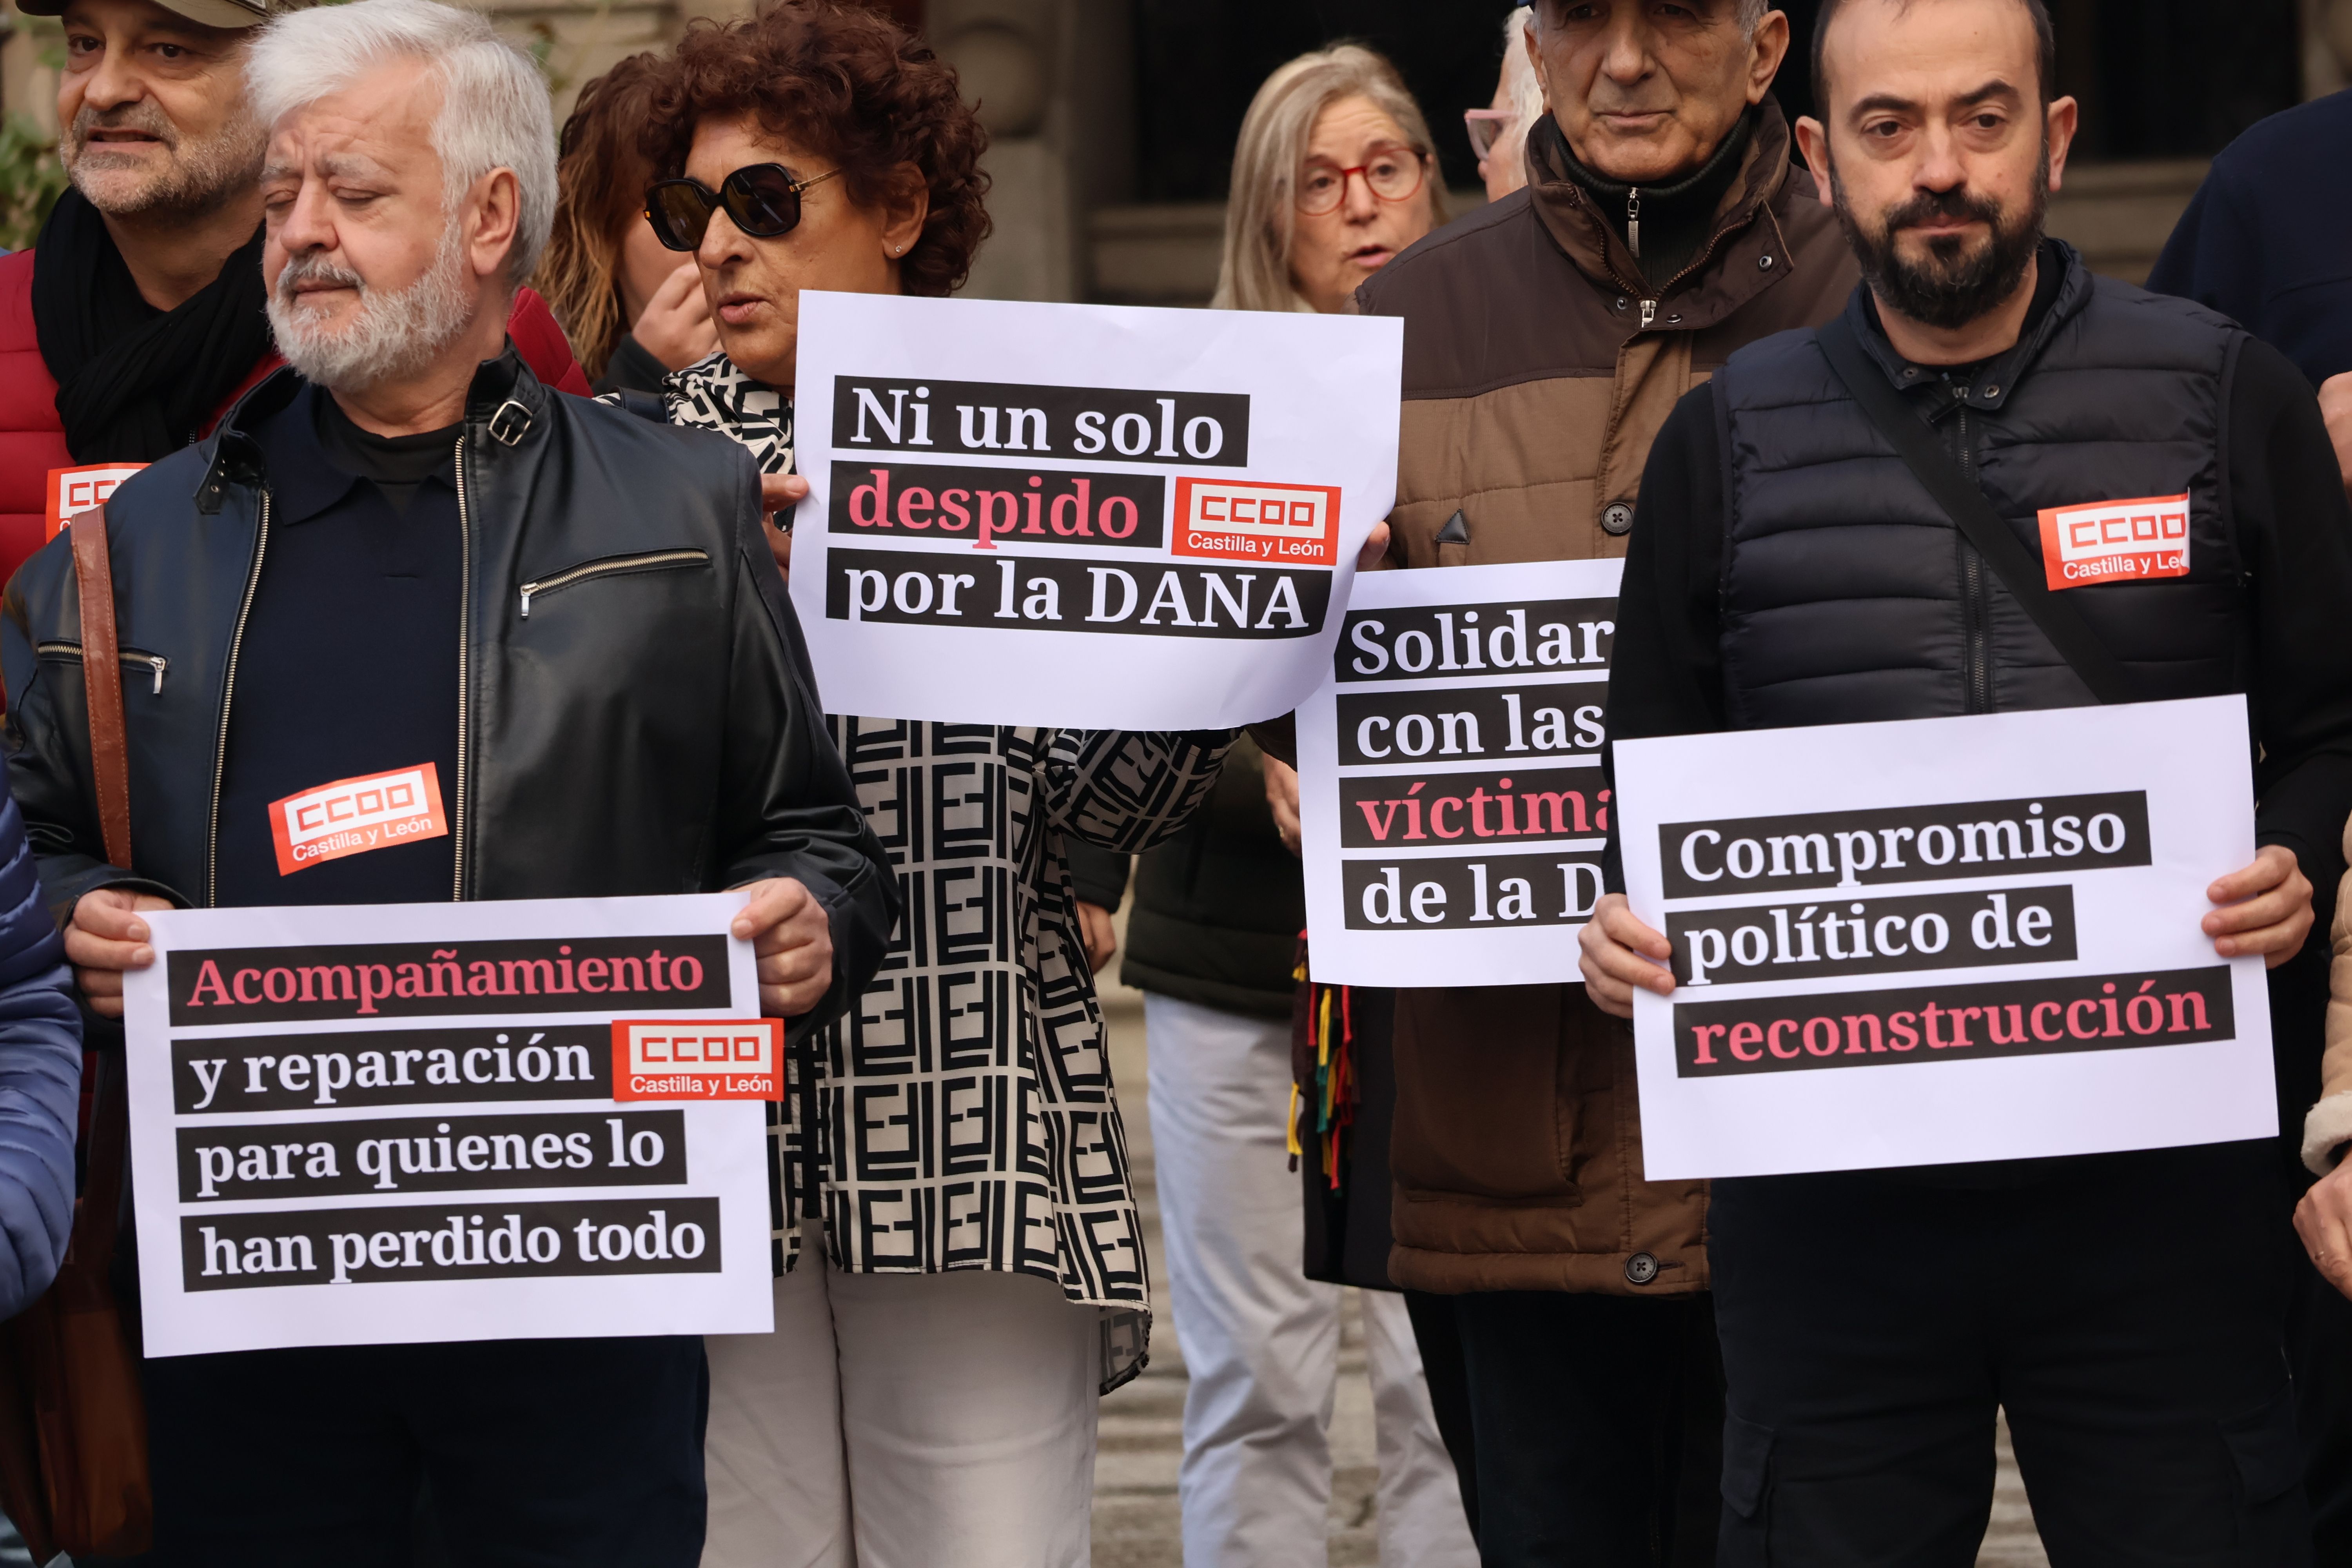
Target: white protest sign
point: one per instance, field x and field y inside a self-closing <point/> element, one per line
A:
<point x="1944" y="940"/>
<point x="397" y="1123"/>
<point x="1449" y="776"/>
<point x="1083" y="515"/>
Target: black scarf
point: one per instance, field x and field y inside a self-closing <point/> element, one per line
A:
<point x="135" y="384"/>
<point x="1678" y="219"/>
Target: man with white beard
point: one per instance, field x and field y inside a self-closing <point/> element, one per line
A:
<point x="137" y="319"/>
<point x="404" y="550"/>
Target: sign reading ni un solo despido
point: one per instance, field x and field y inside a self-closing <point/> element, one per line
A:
<point x="1083" y="515"/>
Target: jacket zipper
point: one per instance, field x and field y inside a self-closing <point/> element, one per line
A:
<point x="155" y="661"/>
<point x="1972" y="588"/>
<point x="228" y="694"/>
<point x="600" y="568"/>
<point x="465" y="625"/>
<point x="1698" y="264"/>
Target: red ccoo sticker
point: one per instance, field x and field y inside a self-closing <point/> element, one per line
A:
<point x="75" y="491"/>
<point x="2116" y="542"/>
<point x="352" y="817"/>
<point x="1248" y="519"/>
<point x="697" y="1058"/>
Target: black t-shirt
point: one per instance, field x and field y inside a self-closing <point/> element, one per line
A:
<point x="348" y="666"/>
<point x="398" y="465"/>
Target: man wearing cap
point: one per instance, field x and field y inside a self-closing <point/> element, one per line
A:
<point x="137" y="317"/>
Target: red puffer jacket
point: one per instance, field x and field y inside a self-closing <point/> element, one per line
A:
<point x="33" y="439"/>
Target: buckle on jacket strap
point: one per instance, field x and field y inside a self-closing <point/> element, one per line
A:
<point x="511" y="422"/>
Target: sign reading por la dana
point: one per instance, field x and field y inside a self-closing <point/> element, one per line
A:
<point x="401" y="1124"/>
<point x="1450" y="783"/>
<point x="1084" y="515"/>
<point x="1944" y="940"/>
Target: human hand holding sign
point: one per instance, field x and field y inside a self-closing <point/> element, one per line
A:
<point x="792" y="940"/>
<point x="1619" y="953"/>
<point x="2265" y="909"/>
<point x="106" y="938"/>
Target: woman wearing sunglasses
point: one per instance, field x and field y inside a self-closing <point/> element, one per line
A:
<point x="963" y="1260"/>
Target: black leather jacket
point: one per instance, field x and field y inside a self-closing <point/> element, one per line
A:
<point x="636" y="709"/>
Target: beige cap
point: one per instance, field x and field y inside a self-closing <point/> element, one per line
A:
<point x="209" y="13"/>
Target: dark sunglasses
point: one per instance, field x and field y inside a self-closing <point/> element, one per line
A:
<point x="763" y="200"/>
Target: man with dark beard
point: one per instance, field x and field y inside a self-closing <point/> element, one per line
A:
<point x="1788" y="568"/>
<point x="137" y="319"/>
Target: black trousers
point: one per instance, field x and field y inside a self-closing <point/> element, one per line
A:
<point x="2126" y="1311"/>
<point x="537" y="1454"/>
<point x="1597" y="1423"/>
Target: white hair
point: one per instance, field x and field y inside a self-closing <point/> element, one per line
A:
<point x="1527" y="87"/>
<point x="1751" y="16"/>
<point x="494" y="111"/>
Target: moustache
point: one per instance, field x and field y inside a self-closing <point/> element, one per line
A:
<point x="141" y="116"/>
<point x="1943" y="206"/>
<point x="314" y="269"/>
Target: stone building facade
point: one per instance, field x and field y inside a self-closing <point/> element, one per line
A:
<point x="1111" y="117"/>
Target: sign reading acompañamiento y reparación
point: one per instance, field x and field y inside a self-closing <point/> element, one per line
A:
<point x="398" y="1123"/>
<point x="1083" y="515"/>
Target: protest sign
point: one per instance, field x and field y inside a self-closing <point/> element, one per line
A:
<point x="1083" y="515"/>
<point x="399" y="1123"/>
<point x="1943" y="941"/>
<point x="1450" y="795"/>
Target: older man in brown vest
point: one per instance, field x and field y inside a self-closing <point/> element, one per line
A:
<point x="1545" y="340"/>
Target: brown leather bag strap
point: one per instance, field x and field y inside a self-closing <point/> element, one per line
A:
<point x="101" y="670"/>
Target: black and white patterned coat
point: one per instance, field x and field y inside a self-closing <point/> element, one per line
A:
<point x="964" y="1114"/>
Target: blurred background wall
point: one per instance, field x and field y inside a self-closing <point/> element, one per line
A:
<point x="1115" y="119"/>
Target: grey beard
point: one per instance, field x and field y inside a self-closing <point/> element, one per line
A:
<point x="203" y="175"/>
<point x="391" y="336"/>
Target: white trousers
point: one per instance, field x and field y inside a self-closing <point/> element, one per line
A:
<point x="1261" y="1342"/>
<point x="904" y="1421"/>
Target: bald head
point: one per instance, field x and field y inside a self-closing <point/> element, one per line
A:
<point x="2036" y="13"/>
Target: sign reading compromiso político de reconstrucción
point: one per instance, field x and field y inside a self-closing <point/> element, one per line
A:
<point x="1944" y="940"/>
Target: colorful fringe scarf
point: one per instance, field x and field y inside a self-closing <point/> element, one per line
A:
<point x="1332" y="1032"/>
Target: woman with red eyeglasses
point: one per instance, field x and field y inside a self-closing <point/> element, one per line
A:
<point x="1333" y="175"/>
<point x="960" y="1256"/>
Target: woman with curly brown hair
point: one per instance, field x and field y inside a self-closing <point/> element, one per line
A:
<point x="634" y="309"/>
<point x="961" y="1260"/>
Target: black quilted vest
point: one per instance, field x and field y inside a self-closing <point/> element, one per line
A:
<point x="1849" y="595"/>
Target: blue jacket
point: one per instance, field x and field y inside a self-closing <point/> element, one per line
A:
<point x="2268" y="239"/>
<point x="40" y="1077"/>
